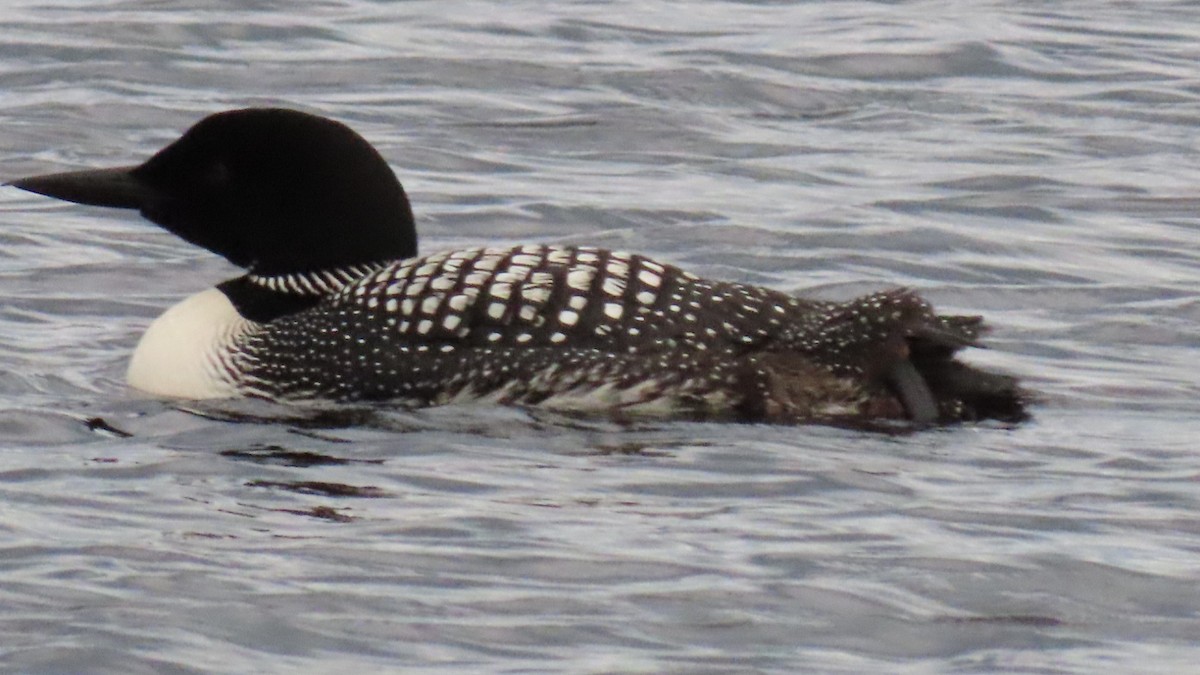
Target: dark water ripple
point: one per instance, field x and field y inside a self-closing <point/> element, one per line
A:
<point x="1031" y="162"/>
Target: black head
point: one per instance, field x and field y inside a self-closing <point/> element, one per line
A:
<point x="274" y="191"/>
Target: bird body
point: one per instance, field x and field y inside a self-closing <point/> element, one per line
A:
<point x="337" y="304"/>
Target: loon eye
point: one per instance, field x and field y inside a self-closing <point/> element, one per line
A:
<point x="216" y="174"/>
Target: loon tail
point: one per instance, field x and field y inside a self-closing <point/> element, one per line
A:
<point x="906" y="352"/>
<point x="964" y="393"/>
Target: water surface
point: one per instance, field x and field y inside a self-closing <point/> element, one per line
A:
<point x="1035" y="162"/>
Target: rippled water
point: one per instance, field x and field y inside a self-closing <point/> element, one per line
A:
<point x="1036" y="162"/>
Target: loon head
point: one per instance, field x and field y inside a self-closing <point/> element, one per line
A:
<point x="273" y="191"/>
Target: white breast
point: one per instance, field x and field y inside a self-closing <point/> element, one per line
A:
<point x="185" y="351"/>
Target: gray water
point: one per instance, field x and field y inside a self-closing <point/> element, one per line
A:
<point x="1034" y="162"/>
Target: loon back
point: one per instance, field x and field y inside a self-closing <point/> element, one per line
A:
<point x="335" y="305"/>
<point x="586" y="328"/>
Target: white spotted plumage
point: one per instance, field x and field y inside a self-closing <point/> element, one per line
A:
<point x="557" y="326"/>
<point x="509" y="307"/>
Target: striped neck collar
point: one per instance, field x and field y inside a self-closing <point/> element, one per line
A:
<point x="318" y="283"/>
<point x="262" y="298"/>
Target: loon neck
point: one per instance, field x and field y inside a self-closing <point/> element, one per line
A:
<point x="262" y="298"/>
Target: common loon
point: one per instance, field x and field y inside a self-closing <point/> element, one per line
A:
<point x="336" y="304"/>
